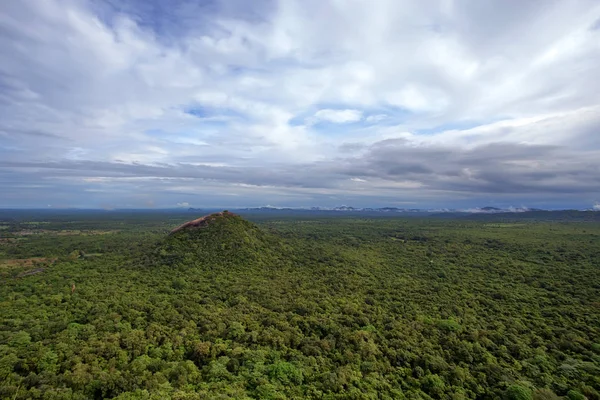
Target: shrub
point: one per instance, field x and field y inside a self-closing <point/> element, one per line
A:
<point x="518" y="392"/>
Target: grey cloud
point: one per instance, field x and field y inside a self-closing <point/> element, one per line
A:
<point x="351" y="147"/>
<point x="29" y="132"/>
<point x="495" y="168"/>
<point x="282" y="176"/>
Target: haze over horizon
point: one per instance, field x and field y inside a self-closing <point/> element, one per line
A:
<point x="410" y="104"/>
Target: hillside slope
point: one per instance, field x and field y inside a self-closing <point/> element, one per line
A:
<point x="219" y="240"/>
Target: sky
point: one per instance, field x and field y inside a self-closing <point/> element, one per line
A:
<point x="299" y="103"/>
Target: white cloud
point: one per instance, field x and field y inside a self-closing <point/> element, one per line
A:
<point x="596" y="207"/>
<point x="337" y="116"/>
<point x="221" y="88"/>
<point x="184" y="204"/>
<point x="376" y="118"/>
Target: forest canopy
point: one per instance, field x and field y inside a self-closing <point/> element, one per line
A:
<point x="96" y="306"/>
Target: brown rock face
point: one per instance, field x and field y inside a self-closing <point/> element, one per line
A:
<point x="203" y="221"/>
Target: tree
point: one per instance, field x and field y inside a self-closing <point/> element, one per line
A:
<point x="518" y="392"/>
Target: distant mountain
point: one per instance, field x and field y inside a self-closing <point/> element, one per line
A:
<point x="267" y="208"/>
<point x="492" y="210"/>
<point x="345" y="208"/>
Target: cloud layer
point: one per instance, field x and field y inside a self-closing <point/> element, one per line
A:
<point x="299" y="103"/>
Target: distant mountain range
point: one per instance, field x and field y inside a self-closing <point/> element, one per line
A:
<point x="344" y="208"/>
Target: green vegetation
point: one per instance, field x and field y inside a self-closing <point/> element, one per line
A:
<point x="298" y="307"/>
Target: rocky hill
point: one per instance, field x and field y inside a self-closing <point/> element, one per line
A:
<point x="219" y="239"/>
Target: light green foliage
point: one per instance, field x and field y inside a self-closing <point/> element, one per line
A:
<point x="285" y="373"/>
<point x="299" y="307"/>
<point x="449" y="325"/>
<point x="518" y="392"/>
<point x="575" y="395"/>
<point x="545" y="394"/>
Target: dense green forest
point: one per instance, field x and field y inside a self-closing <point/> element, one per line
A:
<point x="101" y="305"/>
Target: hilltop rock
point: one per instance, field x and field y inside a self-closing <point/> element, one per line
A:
<point x="219" y="239"/>
<point x="204" y="221"/>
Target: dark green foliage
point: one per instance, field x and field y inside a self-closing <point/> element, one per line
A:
<point x="330" y="308"/>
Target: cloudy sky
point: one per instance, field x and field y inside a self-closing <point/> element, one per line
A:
<point x="208" y="103"/>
